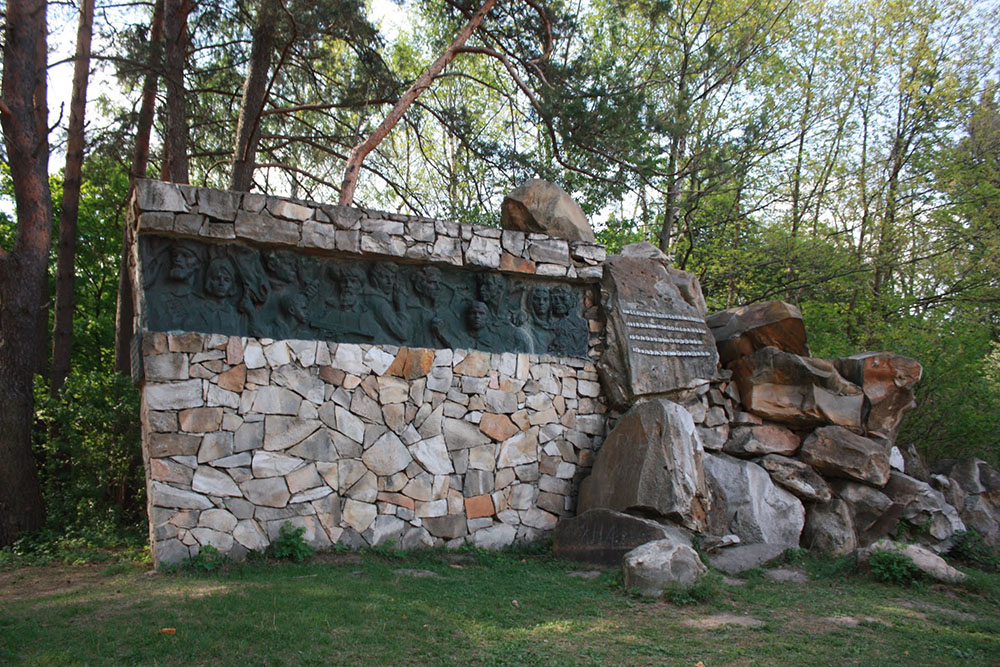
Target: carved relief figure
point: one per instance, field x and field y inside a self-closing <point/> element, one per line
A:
<point x="569" y="329"/>
<point x="492" y="291"/>
<point x="429" y="315"/>
<point x="541" y="319"/>
<point x="353" y="322"/>
<point x="178" y="302"/>
<point x="385" y="302"/>
<point x="218" y="313"/>
<point x="479" y="323"/>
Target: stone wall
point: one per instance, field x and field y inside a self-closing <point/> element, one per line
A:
<point x="358" y="444"/>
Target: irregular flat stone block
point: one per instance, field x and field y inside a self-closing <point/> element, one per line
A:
<point x="741" y="331"/>
<point x="655" y="566"/>
<point x="836" y="452"/>
<point x="604" y="536"/>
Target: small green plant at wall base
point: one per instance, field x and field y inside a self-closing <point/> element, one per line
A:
<point x="290" y="544"/>
<point x="208" y="560"/>
<point x="893" y="567"/>
<point x="972" y="548"/>
<point x="705" y="588"/>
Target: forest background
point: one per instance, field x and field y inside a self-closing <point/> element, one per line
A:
<point x="840" y="155"/>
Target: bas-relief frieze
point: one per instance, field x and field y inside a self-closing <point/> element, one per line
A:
<point x="238" y="290"/>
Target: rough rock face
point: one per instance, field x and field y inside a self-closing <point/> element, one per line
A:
<point x="655" y="566"/>
<point x="874" y="514"/>
<point x="657" y="342"/>
<point x="761" y="440"/>
<point x="924" y="506"/>
<point x="687" y="283"/>
<point x="604" y="536"/>
<point x="787" y="388"/>
<point x="538" y="206"/>
<point x="836" y="452"/>
<point x="797" y="477"/>
<point x="746" y="503"/>
<point x="743" y="557"/>
<point x="742" y="331"/>
<point x="887" y="381"/>
<point x="830" y="528"/>
<point x="926" y="561"/>
<point x="650" y="463"/>
<point x="973" y="487"/>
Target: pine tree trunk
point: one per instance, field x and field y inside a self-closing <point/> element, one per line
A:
<point x="62" y="330"/>
<point x="23" y="269"/>
<point x="125" y="310"/>
<point x="175" y="14"/>
<point x="254" y="96"/>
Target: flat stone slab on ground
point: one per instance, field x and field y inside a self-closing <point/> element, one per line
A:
<point x="745" y="557"/>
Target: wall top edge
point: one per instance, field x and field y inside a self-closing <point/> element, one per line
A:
<point x="197" y="212"/>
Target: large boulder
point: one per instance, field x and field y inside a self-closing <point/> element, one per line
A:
<point x="538" y="206"/>
<point x="830" y="528"/>
<point x="924" y="559"/>
<point x="741" y="331"/>
<point x="656" y="566"/>
<point x="887" y="381"/>
<point x="923" y="506"/>
<point x="746" y="502"/>
<point x="836" y="452"/>
<point x="873" y="513"/>
<point x="651" y="463"/>
<point x="657" y="341"/>
<point x="604" y="536"/>
<point x="791" y="389"/>
<point x="797" y="477"/>
<point x="686" y="282"/>
<point x="743" y="557"/>
<point x="751" y="441"/>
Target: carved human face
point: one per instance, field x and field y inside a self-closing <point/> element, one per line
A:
<point x="350" y="289"/>
<point x="560" y="302"/>
<point x="183" y="263"/>
<point x="540" y="302"/>
<point x="219" y="281"/>
<point x="478" y="316"/>
<point x="384" y="278"/>
<point x="490" y="288"/>
<point x="294" y="306"/>
<point x="279" y="266"/>
<point x="429" y="282"/>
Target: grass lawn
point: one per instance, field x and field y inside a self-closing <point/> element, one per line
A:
<point x="480" y="608"/>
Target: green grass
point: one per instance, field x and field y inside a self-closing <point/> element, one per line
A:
<point x="359" y="609"/>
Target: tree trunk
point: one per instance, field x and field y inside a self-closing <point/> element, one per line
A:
<point x="254" y="96"/>
<point x="62" y="330"/>
<point x="125" y="310"/>
<point x="358" y="154"/>
<point x="175" y="14"/>
<point x="23" y="269"/>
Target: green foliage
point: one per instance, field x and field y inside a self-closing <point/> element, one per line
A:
<point x="707" y="587"/>
<point x="971" y="547"/>
<point x="893" y="567"/>
<point x="208" y="559"/>
<point x="98" y="543"/>
<point x="290" y="544"/>
<point x="90" y="453"/>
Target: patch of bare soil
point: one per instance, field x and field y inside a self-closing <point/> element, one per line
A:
<point x="28" y="583"/>
<point x="719" y="620"/>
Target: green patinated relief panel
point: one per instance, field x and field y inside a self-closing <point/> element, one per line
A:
<point x="238" y="290"/>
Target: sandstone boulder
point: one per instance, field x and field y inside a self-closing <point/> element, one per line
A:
<point x="686" y="282"/>
<point x="923" y="506"/>
<point x="746" y="503"/>
<point x="539" y="206"/>
<point x="743" y="557"/>
<point x="926" y="560"/>
<point x="741" y="331"/>
<point x="804" y="392"/>
<point x="829" y="528"/>
<point x="797" y="477"/>
<point x="836" y="452"/>
<point x="658" y="344"/>
<point x="750" y="441"/>
<point x="887" y="381"/>
<point x="650" y="463"/>
<point x="604" y="536"/>
<point x="656" y="566"/>
<point x="874" y="514"/>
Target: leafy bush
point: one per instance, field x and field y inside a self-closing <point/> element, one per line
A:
<point x="705" y="588"/>
<point x="971" y="547"/>
<point x="893" y="567"/>
<point x="290" y="544"/>
<point x="90" y="454"/>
